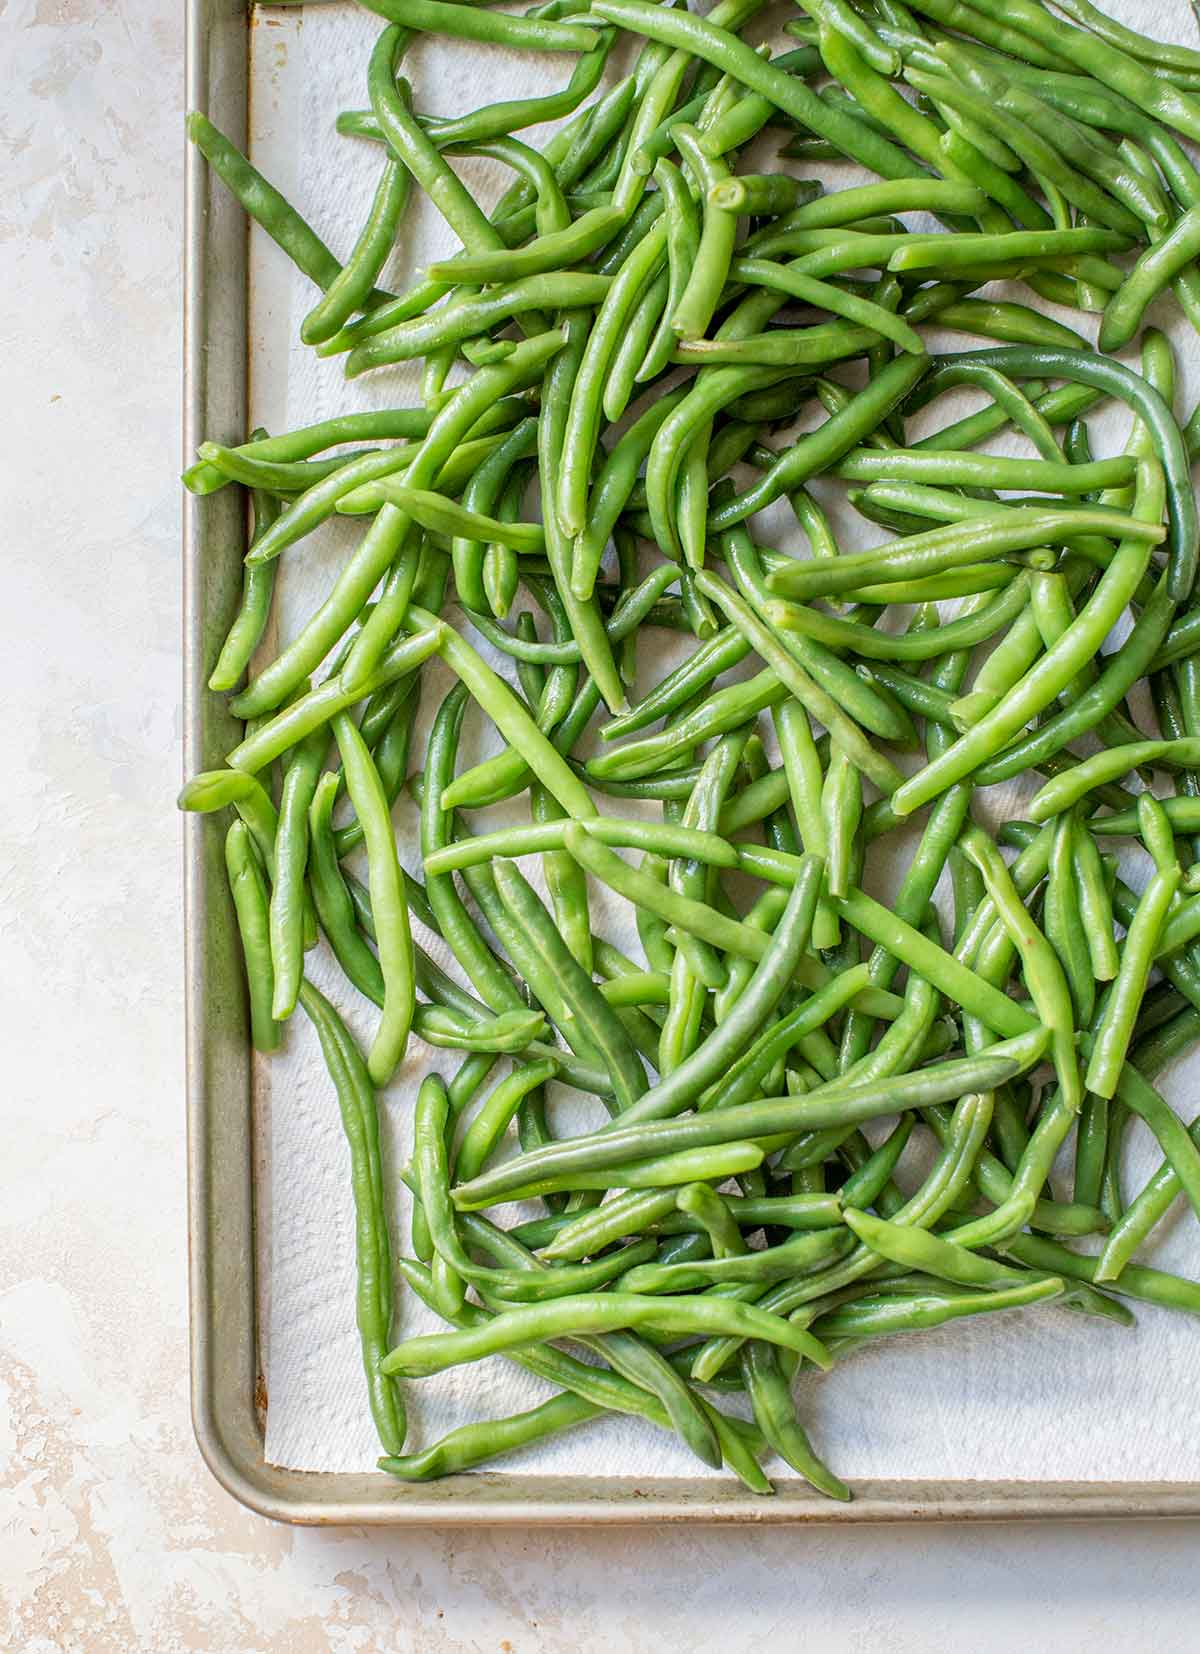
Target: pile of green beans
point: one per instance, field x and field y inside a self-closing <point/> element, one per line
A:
<point x="822" y="1117"/>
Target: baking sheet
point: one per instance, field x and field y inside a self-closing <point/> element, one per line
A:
<point x="1028" y="1398"/>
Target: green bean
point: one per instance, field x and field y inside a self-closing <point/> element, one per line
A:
<point x="725" y="709"/>
<point x="589" y="1314"/>
<point x="816" y="699"/>
<point x="753" y="195"/>
<point x="646" y="320"/>
<point x="484" y="490"/>
<point x="499" y="1108"/>
<point x="683" y="240"/>
<point x="873" y="1317"/>
<point x="803" y="774"/>
<point x="821" y="449"/>
<point x="516" y="1284"/>
<point x="950" y="155"/>
<point x="334" y="903"/>
<point x="1182" y="812"/>
<point x="266" y="205"/>
<point x="1057" y="406"/>
<point x="510" y="718"/>
<point x="1140" y="1217"/>
<point x="752" y="112"/>
<point x="289" y="726"/>
<point x="250" y="622"/>
<point x="1087" y="53"/>
<point x="1094" y="903"/>
<point x="1152" y="1286"/>
<point x="510" y="1032"/>
<point x="481" y="967"/>
<point x="599" y="1025"/>
<point x="714" y="250"/>
<point x="294" y="446"/>
<point x="1154" y="270"/>
<point x="421" y="466"/>
<point x="497" y="119"/>
<point x="1121" y="669"/>
<point x="982" y="470"/>
<point x="317" y="502"/>
<point x="1174" y="1139"/>
<point x="611" y="491"/>
<point x="583" y="618"/>
<point x="660" y="143"/>
<point x="794" y="1256"/>
<point x="1064" y="925"/>
<point x="493" y="28"/>
<point x="566" y="884"/>
<point x="1137" y="45"/>
<point x="1002" y="533"/>
<point x="962" y="1140"/>
<point x="406" y="139"/>
<point x="595" y="1387"/>
<point x="1043" y="972"/>
<point x="459" y="412"/>
<point x="1065" y="790"/>
<point x="860" y="698"/>
<point x="580" y="432"/>
<point x="215" y="789"/>
<point x="360" y="1123"/>
<point x="749" y="1072"/>
<point x="1115" y="1027"/>
<point x="1162" y="432"/>
<point x="629" y="1213"/>
<point x="388" y="901"/>
<point x="716" y="1163"/>
<point x="1092" y="156"/>
<point x="864" y="641"/>
<point x="834" y="16"/>
<point x="721" y="48"/>
<point x="555" y="251"/>
<point x="841" y="805"/>
<point x="250" y="905"/>
<point x="661" y="839"/>
<point x="768" y="273"/>
<point x="447" y="517"/>
<point x="288" y="895"/>
<point x="1053" y="672"/>
<point x="916" y="1249"/>
<point x="470" y="1445"/>
<point x="780" y="350"/>
<point x="866" y="1185"/>
<point x="352" y="285"/>
<point x="700" y="1201"/>
<point x="1013" y="324"/>
<point x="834" y="1103"/>
<point x="888" y="930"/>
<point x="456" y="322"/>
<point x="634" y="606"/>
<point x="772" y="974"/>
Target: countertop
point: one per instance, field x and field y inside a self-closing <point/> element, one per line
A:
<point x="113" y="1535"/>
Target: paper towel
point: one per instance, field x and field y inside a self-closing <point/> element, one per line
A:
<point x="1043" y="1394"/>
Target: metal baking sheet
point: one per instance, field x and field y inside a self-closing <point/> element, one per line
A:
<point x="227" y="1383"/>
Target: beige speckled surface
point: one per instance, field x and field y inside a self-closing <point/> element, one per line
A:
<point x="112" y="1534"/>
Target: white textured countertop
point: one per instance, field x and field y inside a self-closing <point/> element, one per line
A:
<point x="112" y="1534"/>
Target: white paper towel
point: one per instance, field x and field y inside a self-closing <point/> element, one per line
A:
<point x="1045" y="1394"/>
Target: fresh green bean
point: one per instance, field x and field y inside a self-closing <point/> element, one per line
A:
<point x="835" y="1103"/>
<point x="250" y="905"/>
<point x="360" y="1122"/>
<point x="388" y="901"/>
